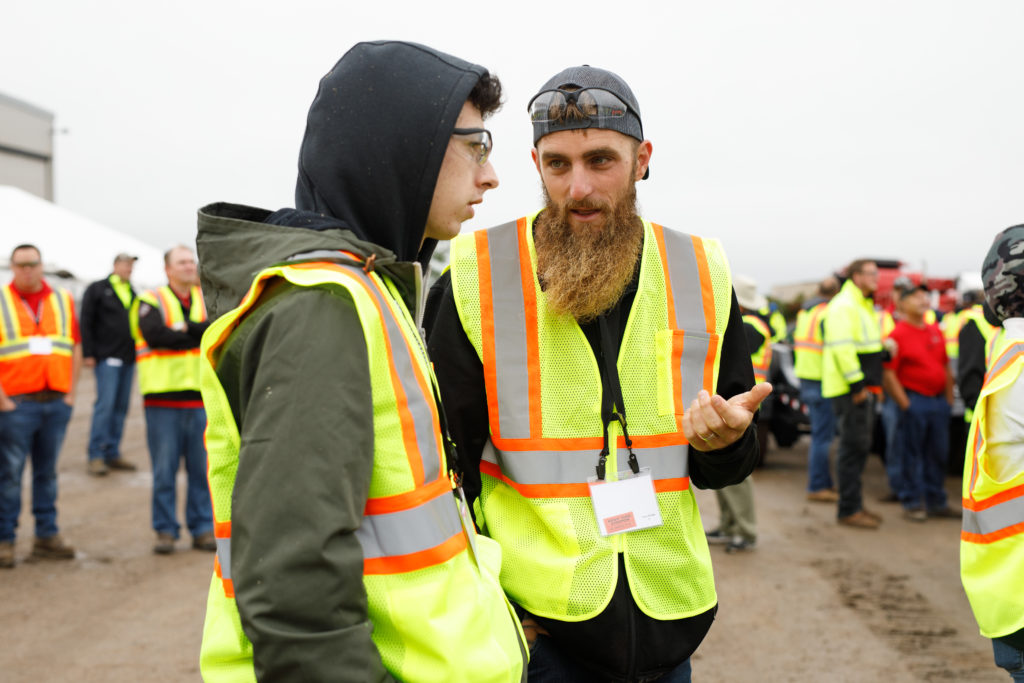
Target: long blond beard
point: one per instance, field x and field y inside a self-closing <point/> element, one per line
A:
<point x="584" y="272"/>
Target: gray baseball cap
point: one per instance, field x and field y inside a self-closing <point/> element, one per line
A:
<point x="1003" y="274"/>
<point x="577" y="78"/>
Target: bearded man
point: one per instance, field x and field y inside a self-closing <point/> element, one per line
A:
<point x="593" y="365"/>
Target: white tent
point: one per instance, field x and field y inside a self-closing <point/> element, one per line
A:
<point x="69" y="242"/>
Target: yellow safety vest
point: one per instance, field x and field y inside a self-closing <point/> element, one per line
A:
<point x="544" y="394"/>
<point x="951" y="324"/>
<point x="761" y="357"/>
<point x="992" y="538"/>
<point x="437" y="609"/>
<point x="166" y="370"/>
<point x="807" y="342"/>
<point x="989" y="333"/>
<point x="851" y="328"/>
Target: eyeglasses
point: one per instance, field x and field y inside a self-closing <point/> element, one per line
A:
<point x="26" y="264"/>
<point x="551" y="105"/>
<point x="478" y="144"/>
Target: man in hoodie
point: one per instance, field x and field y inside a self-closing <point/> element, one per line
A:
<point x="342" y="554"/>
<point x="584" y="340"/>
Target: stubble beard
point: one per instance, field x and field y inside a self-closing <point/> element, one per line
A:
<point x="584" y="270"/>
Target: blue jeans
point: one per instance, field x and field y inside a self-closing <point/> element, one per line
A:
<point x="823" y="430"/>
<point x="894" y="447"/>
<point x="1009" y="658"/>
<point x="548" y="665"/>
<point x="924" y="427"/>
<point x="32" y="430"/>
<point x="173" y="434"/>
<point x="113" y="391"/>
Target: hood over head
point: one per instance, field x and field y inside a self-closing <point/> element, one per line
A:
<point x="376" y="135"/>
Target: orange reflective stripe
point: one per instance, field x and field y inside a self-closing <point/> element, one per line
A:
<point x="409" y="499"/>
<point x="487" y="350"/>
<point x="396" y="564"/>
<point x="994" y="536"/>
<point x="532" y="331"/>
<point x="997" y="499"/>
<point x="228" y="584"/>
<point x="670" y="306"/>
<point x="706" y="288"/>
<point x="675" y="484"/>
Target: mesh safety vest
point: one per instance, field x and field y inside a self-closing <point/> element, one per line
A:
<point x="24" y="367"/>
<point x="807" y="342"/>
<point x="851" y="328"/>
<point x="165" y="370"/>
<point x="992" y="539"/>
<point x="989" y="333"/>
<point x="761" y="357"/>
<point x="951" y="324"/>
<point x="544" y="405"/>
<point x="438" y="611"/>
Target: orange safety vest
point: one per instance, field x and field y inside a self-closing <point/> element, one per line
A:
<point x="36" y="354"/>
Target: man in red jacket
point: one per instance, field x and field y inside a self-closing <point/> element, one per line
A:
<point x="918" y="380"/>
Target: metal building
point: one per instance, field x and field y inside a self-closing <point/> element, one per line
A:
<point x="26" y="147"/>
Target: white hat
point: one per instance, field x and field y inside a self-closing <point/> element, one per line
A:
<point x="746" y="293"/>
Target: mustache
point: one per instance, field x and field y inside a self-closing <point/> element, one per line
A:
<point x="584" y="205"/>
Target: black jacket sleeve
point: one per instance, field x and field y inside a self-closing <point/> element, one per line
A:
<point x="159" y="336"/>
<point x="87" y="318"/>
<point x="970" y="367"/>
<point x="297" y="375"/>
<point x="734" y="463"/>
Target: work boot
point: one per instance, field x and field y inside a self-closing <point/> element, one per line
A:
<point x="717" y="537"/>
<point x="52" y="548"/>
<point x="97" y="467"/>
<point x="6" y="554"/>
<point x="860" y="520"/>
<point x="739" y="544"/>
<point x="915" y="514"/>
<point x="164" y="544"/>
<point x="946" y="511"/>
<point x="873" y="515"/>
<point x="823" y="496"/>
<point x="207" y="542"/>
<point x="120" y="463"/>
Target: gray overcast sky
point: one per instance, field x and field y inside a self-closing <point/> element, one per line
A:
<point x="800" y="133"/>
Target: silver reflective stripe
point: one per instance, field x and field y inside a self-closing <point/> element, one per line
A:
<point x="422" y="416"/>
<point x="1005" y="357"/>
<point x="224" y="557"/>
<point x="66" y="346"/>
<point x="10" y="332"/>
<point x="575" y="467"/>
<point x="691" y="367"/>
<point x="423" y="527"/>
<point x="684" y="278"/>
<point x="995" y="518"/>
<point x="63" y="314"/>
<point x="11" y="349"/>
<point x="509" y="332"/>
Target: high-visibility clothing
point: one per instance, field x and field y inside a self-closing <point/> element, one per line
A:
<point x="808" y="342"/>
<point x="437" y="609"/>
<point x="992" y="538"/>
<point x="761" y="357"/>
<point x="930" y="317"/>
<point x="166" y="370"/>
<point x="886" y="323"/>
<point x="989" y="334"/>
<point x="544" y="401"/>
<point x="851" y="330"/>
<point x="36" y="354"/>
<point x="778" y="325"/>
<point x="951" y="324"/>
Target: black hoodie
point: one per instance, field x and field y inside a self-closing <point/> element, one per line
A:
<point x="295" y="370"/>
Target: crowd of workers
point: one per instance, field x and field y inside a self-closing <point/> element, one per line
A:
<point x="592" y="367"/>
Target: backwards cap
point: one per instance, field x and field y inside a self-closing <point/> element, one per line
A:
<point x="1003" y="274"/>
<point x="586" y="76"/>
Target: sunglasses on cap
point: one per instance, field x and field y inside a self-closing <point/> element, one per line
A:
<point x="551" y="105"/>
<point x="477" y="143"/>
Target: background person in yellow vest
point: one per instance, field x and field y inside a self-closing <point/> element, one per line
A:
<point x="992" y="539"/>
<point x="976" y="334"/>
<point x="40" y="357"/>
<point x="341" y="554"/>
<point x="553" y="392"/>
<point x="852" y="379"/>
<point x="737" y="519"/>
<point x="109" y="349"/>
<point x="168" y="324"/>
<point x="807" y="353"/>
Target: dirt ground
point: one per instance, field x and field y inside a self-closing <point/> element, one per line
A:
<point x="813" y="602"/>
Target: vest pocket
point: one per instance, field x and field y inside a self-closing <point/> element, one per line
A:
<point x="682" y="370"/>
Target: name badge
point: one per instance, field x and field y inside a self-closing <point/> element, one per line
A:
<point x="625" y="505"/>
<point x="40" y="346"/>
<point x="114" y="362"/>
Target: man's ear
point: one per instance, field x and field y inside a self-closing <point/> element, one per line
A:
<point x="536" y="158"/>
<point x="643" y="158"/>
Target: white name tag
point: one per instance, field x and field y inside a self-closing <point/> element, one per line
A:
<point x="114" y="362"/>
<point x="40" y="346"/>
<point x="625" y="505"/>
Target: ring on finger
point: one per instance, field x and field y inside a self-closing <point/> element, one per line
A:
<point x="709" y="437"/>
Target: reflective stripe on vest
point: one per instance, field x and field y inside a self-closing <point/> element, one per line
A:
<point x="22" y="371"/>
<point x="511" y="354"/>
<point x="761" y="357"/>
